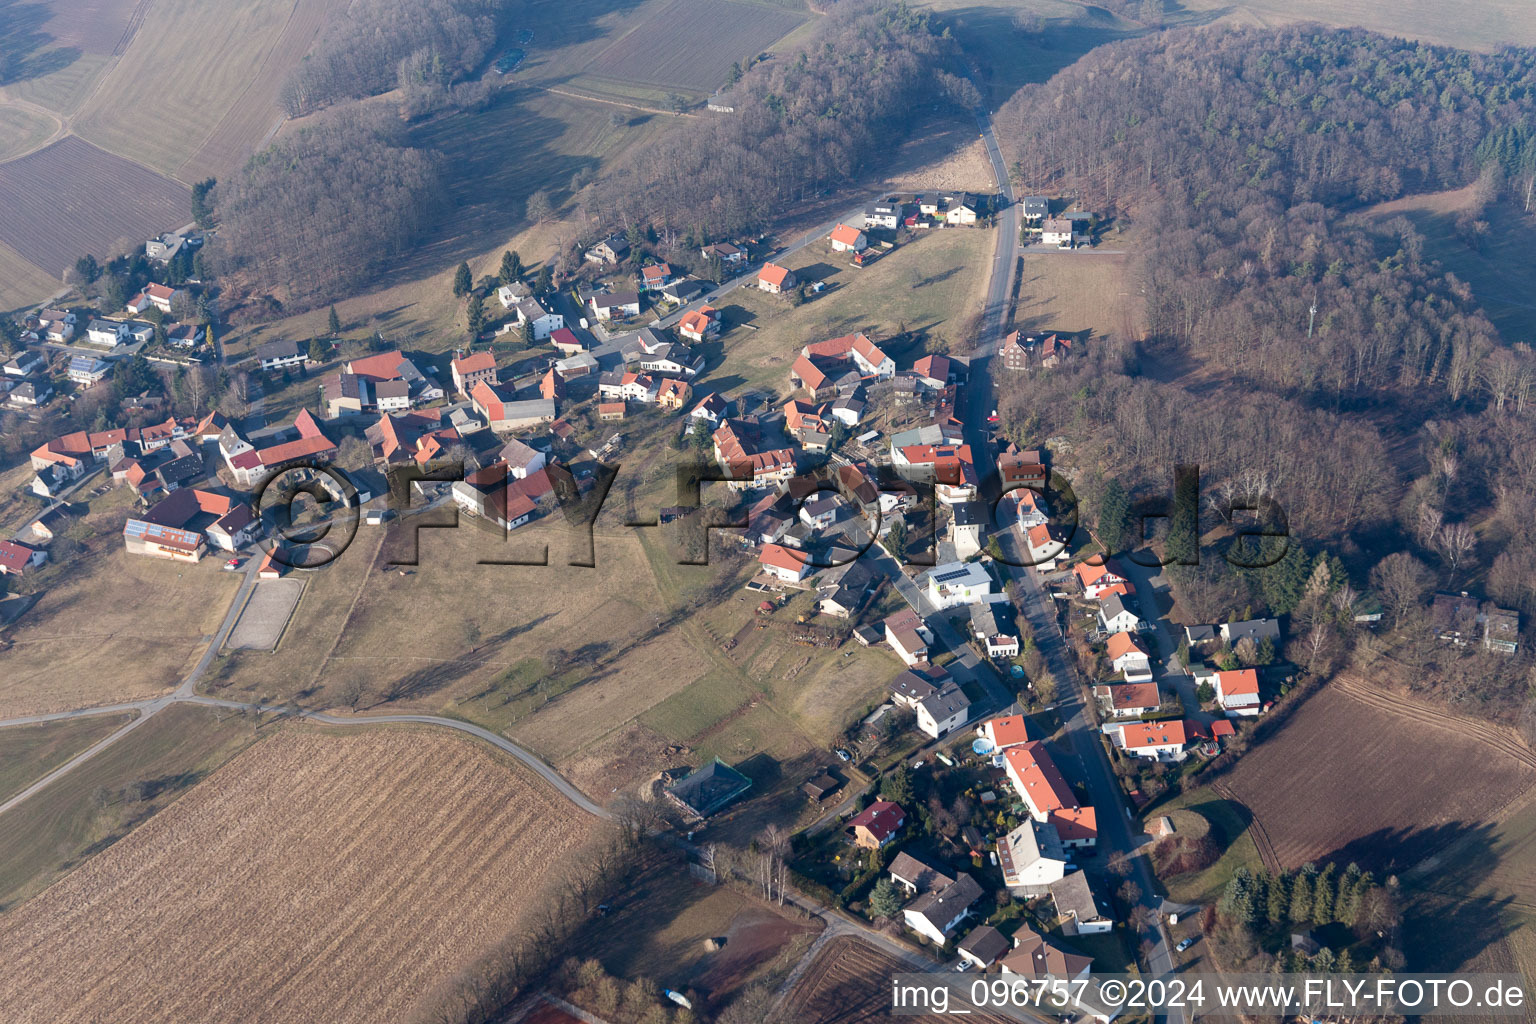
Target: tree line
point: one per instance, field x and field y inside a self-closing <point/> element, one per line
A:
<point x="802" y="123"/>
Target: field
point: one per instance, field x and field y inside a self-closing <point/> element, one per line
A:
<point x="1502" y="279"/>
<point x="190" y="64"/>
<point x="687" y="45"/>
<point x="933" y="283"/>
<point x="849" y="982"/>
<point x="109" y="200"/>
<point x="23" y="130"/>
<point x="1230" y="821"/>
<point x="1401" y="782"/>
<point x="87" y="810"/>
<point x="317" y="869"/>
<point x="1486" y="25"/>
<point x="28" y="752"/>
<point x="1078" y="291"/>
<point x="110" y="627"/>
<point x="93" y="26"/>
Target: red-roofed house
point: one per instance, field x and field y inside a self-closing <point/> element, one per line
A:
<point x="384" y="366"/>
<point x="1129" y="700"/>
<point x="782" y="563"/>
<point x="1127" y="655"/>
<point x="775" y="279"/>
<point x="655" y="276"/>
<point x="1045" y="550"/>
<point x="846" y="238"/>
<point x="1160" y="741"/>
<point x="1238" y="692"/>
<point x="933" y="370"/>
<point x="1005" y="732"/>
<point x="1035" y="777"/>
<point x="876" y="824"/>
<point x="17" y="559"/>
<point x="699" y="324"/>
<point x="1097" y="578"/>
<point x="472" y="369"/>
<point x="1075" y="826"/>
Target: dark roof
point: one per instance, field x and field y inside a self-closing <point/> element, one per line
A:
<point x="949" y="700"/>
<point x="970" y="513"/>
<point x="285" y="349"/>
<point x="913" y="686"/>
<point x="709" y="788"/>
<point x="985" y="943"/>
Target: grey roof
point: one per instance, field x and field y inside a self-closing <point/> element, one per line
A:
<point x="114" y="326"/>
<point x="918" y="871"/>
<point x="1256" y="630"/>
<point x="985" y="943"/>
<point x="942" y="905"/>
<point x="950" y="700"/>
<point x="913" y="686"/>
<point x="285" y="349"/>
<point x="684" y="288"/>
<point x="1113" y="606"/>
<point x="391" y="389"/>
<point x="1073" y="896"/>
<point x="1036" y="206"/>
<point x="970" y="513"/>
<point x="983" y="620"/>
<point x="1199" y="634"/>
<point x="931" y="434"/>
<point x="531" y="309"/>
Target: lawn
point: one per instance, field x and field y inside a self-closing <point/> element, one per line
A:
<point x="87" y="810"/>
<point x="932" y="284"/>
<point x="22" y="131"/>
<point x="28" y="752"/>
<point x="1229" y="826"/>
<point x="1079" y="291"/>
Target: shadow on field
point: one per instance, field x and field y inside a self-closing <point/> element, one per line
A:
<point x="24" y="49"/>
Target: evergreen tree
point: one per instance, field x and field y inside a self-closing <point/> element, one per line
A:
<point x="511" y="267"/>
<point x="462" y="281"/>
<point x="896" y="786"/>
<point x="333" y="323"/>
<point x="838" y="434"/>
<point x="884" y="901"/>
<point x="202" y="210"/>
<point x="10" y="336"/>
<point x="525" y="332"/>
<point x="698" y="435"/>
<point x="1114" y="513"/>
<point x="734" y="74"/>
<point x="1323" y="961"/>
<point x="319" y="351"/>
<point x="87" y="270"/>
<point x="475" y="315"/>
<point x="1183" y="544"/>
<point x="1205" y="693"/>
<point x="1238" y="901"/>
<point x="1346" y="903"/>
<point x="1322" y="896"/>
<point x="1284" y="583"/>
<point x="896" y="537"/>
<point x="1344" y="963"/>
<point x="1301" y="896"/>
<point x="1279" y="908"/>
<point x="544" y="280"/>
<point x="160" y="337"/>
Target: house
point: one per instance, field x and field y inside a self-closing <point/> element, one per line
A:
<point x="1046" y="548"/>
<point x="1059" y="231"/>
<point x="857" y="349"/>
<point x="470" y="370"/>
<point x="1128" y="700"/>
<point x="279" y="355"/>
<point x="884" y="214"/>
<point x="1158" y="741"/>
<point x="157" y="295"/>
<point x="566" y="341"/>
<point x="1257" y="630"/>
<point x="1054" y="349"/>
<point x="1013" y="353"/>
<point x="846" y="238"/>
<point x="611" y="250"/>
<point x="1501" y="630"/>
<point x="683" y="290"/>
<point x="985" y="628"/>
<point x="939" y="910"/>
<point x="875" y="825"/>
<point x="711" y="410"/>
<point x="1237" y="692"/>
<point x="915" y="685"/>
<point x="504" y="413"/>
<point x="654" y="276"/>
<point x="495" y="495"/>
<point x="943" y="711"/>
<point x="249" y="465"/>
<point x="1036" y="209"/>
<point x="88" y="371"/>
<point x="614" y="305"/>
<point x="513" y="293"/>
<point x="1031" y="509"/>
<point x="391" y="395"/>
<point x="1095" y="579"/>
<point x="544" y="323"/>
<point x="184" y="524"/>
<point x="967" y="527"/>
<point x="344" y="393"/>
<point x="1004" y="732"/>
<point x="405" y="437"/>
<point x="165" y="248"/>
<point x="708" y="789"/>
<point x="914" y="875"/>
<point x="908" y="636"/>
<point x="1031" y="858"/>
<point x="847" y="411"/>
<point x="671" y="359"/>
<point x="1127" y="656"/>
<point x="725" y="252"/>
<point x="106" y="332"/>
<point x="819" y="512"/>
<point x="673" y="394"/>
<point x="820" y="786"/>
<point x="185" y="336"/>
<point x="1115" y="616"/>
<point x="699" y="324"/>
<point x="1032" y="772"/>
<point x="775" y="279"/>
<point x="32" y="393"/>
<point x="957" y="583"/>
<point x="933" y="371"/>
<point x="18" y="559"/>
<point x="611" y="411"/>
<point x="25" y="363"/>
<point x="1076" y="906"/>
<point x="1037" y="959"/>
<point x="983" y="946"/>
<point x="962" y="209"/>
<point x="783" y="564"/>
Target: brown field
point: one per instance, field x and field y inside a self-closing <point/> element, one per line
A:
<point x="21" y="283"/>
<point x="688" y="45"/>
<point x="94" y="26"/>
<point x="1486" y="25"/>
<point x="318" y="869"/>
<point x="111" y="627"/>
<point x="23" y="129"/>
<point x="110" y="200"/>
<point x="945" y="153"/>
<point x="1400" y="781"/>
<point x="849" y="982"/>
<point x="186" y="69"/>
<point x="247" y="123"/>
<point x="1080" y="291"/>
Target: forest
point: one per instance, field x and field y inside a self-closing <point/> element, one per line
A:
<point x="321" y="212"/>
<point x="803" y="123"/>
<point x="1296" y="349"/>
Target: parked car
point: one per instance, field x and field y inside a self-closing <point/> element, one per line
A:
<point x="962" y="966"/>
<point x="1182" y="946"/>
<point x="232" y="565"/>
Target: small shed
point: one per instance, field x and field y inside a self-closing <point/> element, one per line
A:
<point x="708" y="789"/>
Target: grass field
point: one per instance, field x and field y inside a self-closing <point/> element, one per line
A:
<point x="687" y="46"/>
<point x="1229" y="823"/>
<point x="1502" y="278"/>
<point x="186" y="68"/>
<point x="110" y="626"/>
<point x="87" y="810"/>
<point x="933" y="283"/>
<point x="22" y="131"/>
<point x="1486" y="25"/>
<point x="111" y="201"/>
<point x="65" y="89"/>
<point x="28" y="752"/>
<point x="1079" y="291"/>
<point x="92" y="26"/>
<point x="353" y="871"/>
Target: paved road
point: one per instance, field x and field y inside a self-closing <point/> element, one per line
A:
<point x="1115" y="831"/>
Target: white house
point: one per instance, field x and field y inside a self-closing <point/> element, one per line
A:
<point x="819" y="512"/>
<point x="1238" y="691"/>
<point x="937" y="912"/>
<point x="944" y="711"/>
<point x="1128" y="700"/>
<point x="781" y="563"/>
<point x="1096" y="579"/>
<point x="615" y="305"/>
<point x="1031" y="858"/>
<point x="531" y="311"/>
<point x="1116" y="617"/>
<point x="1002" y="733"/>
<point x="908" y="637"/>
<point x="106" y="332"/>
<point x="16" y="559"/>
<point x="1045" y="550"/>
<point x="957" y="583"/>
<point x="962" y="209"/>
<point x="1076" y="906"/>
<point x="1127" y="656"/>
<point x="511" y="294"/>
<point x="1158" y="741"/>
<point x="846" y="238"/>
